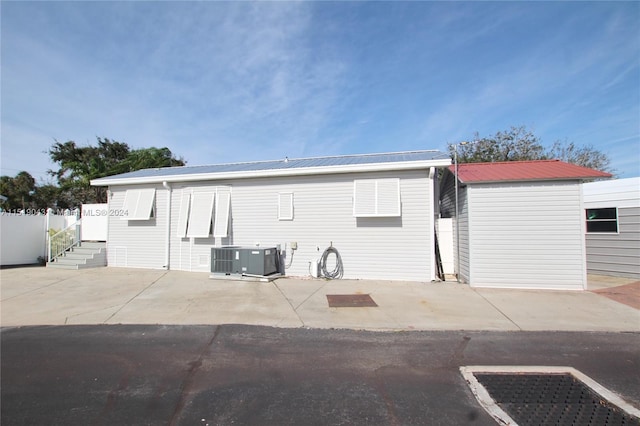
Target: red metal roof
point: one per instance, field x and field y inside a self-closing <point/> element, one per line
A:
<point x="524" y="171"/>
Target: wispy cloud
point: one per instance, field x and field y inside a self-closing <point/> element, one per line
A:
<point x="234" y="81"/>
<point x="565" y="77"/>
<point x="229" y="76"/>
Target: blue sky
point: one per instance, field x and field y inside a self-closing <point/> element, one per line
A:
<point x="221" y="82"/>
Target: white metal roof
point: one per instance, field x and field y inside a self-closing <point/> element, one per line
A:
<point x="285" y="167"/>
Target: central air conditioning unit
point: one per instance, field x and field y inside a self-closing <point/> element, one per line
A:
<point x="244" y="260"/>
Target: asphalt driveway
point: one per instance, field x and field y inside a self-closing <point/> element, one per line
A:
<point x="249" y="375"/>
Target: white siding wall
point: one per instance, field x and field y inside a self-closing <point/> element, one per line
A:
<point x="397" y="248"/>
<point x="527" y="235"/>
<point x="137" y="243"/>
<point x="447" y="195"/>
<point x="615" y="254"/>
<point x="618" y="254"/>
<point x="463" y="223"/>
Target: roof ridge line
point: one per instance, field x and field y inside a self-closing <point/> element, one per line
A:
<point x="309" y="158"/>
<point x="512" y="162"/>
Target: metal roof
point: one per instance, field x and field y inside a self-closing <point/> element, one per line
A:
<point x="524" y="171"/>
<point x="283" y="167"/>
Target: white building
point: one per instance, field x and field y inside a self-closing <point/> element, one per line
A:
<point x="377" y="210"/>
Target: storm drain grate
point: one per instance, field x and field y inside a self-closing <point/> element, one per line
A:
<point x="543" y="398"/>
<point x="558" y="399"/>
<point x="350" y="301"/>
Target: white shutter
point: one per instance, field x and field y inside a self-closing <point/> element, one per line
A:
<point x="138" y="204"/>
<point x="223" y="204"/>
<point x="200" y="215"/>
<point x="183" y="218"/>
<point x="130" y="203"/>
<point x="364" y="198"/>
<point x="285" y="206"/>
<point x="376" y="198"/>
<point x="388" y="197"/>
<point x="145" y="204"/>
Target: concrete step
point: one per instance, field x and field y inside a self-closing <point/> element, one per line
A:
<point x="79" y="256"/>
<point x="58" y="265"/>
<point x="86" y="251"/>
<point x="70" y="261"/>
<point x="93" y="244"/>
<point x="88" y="255"/>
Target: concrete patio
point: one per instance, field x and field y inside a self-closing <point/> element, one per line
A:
<point x="43" y="296"/>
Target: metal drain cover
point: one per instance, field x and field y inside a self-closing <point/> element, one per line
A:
<point x="350" y="301"/>
<point x="552" y="397"/>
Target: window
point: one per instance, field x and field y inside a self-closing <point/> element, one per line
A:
<point x="223" y="204"/>
<point x="200" y="216"/>
<point x="183" y="218"/>
<point x="138" y="204"/>
<point x="285" y="206"/>
<point x="376" y="198"/>
<point x="602" y="220"/>
<point x="198" y="210"/>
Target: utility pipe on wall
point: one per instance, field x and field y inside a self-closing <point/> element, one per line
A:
<point x="167" y="186"/>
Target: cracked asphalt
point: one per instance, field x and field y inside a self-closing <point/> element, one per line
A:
<point x="257" y="375"/>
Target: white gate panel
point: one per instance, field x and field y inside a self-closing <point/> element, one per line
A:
<point x="95" y="219"/>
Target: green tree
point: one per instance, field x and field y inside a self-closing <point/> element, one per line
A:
<point x="78" y="165"/>
<point x="48" y="196"/>
<point x="19" y="191"/>
<point x="521" y="144"/>
<point x="147" y="158"/>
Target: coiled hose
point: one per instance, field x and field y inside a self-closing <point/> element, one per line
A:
<point x="338" y="270"/>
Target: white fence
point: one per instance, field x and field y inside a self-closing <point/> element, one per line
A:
<point x="24" y="236"/>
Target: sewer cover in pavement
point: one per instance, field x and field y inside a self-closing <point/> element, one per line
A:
<point x="537" y="398"/>
<point x="350" y="301"/>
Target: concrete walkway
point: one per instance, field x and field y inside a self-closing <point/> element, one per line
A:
<point x="45" y="296"/>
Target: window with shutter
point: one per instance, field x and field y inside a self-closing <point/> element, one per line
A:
<point x="223" y="204"/>
<point x="183" y="217"/>
<point x="200" y="215"/>
<point x="139" y="204"/>
<point x="376" y="197"/>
